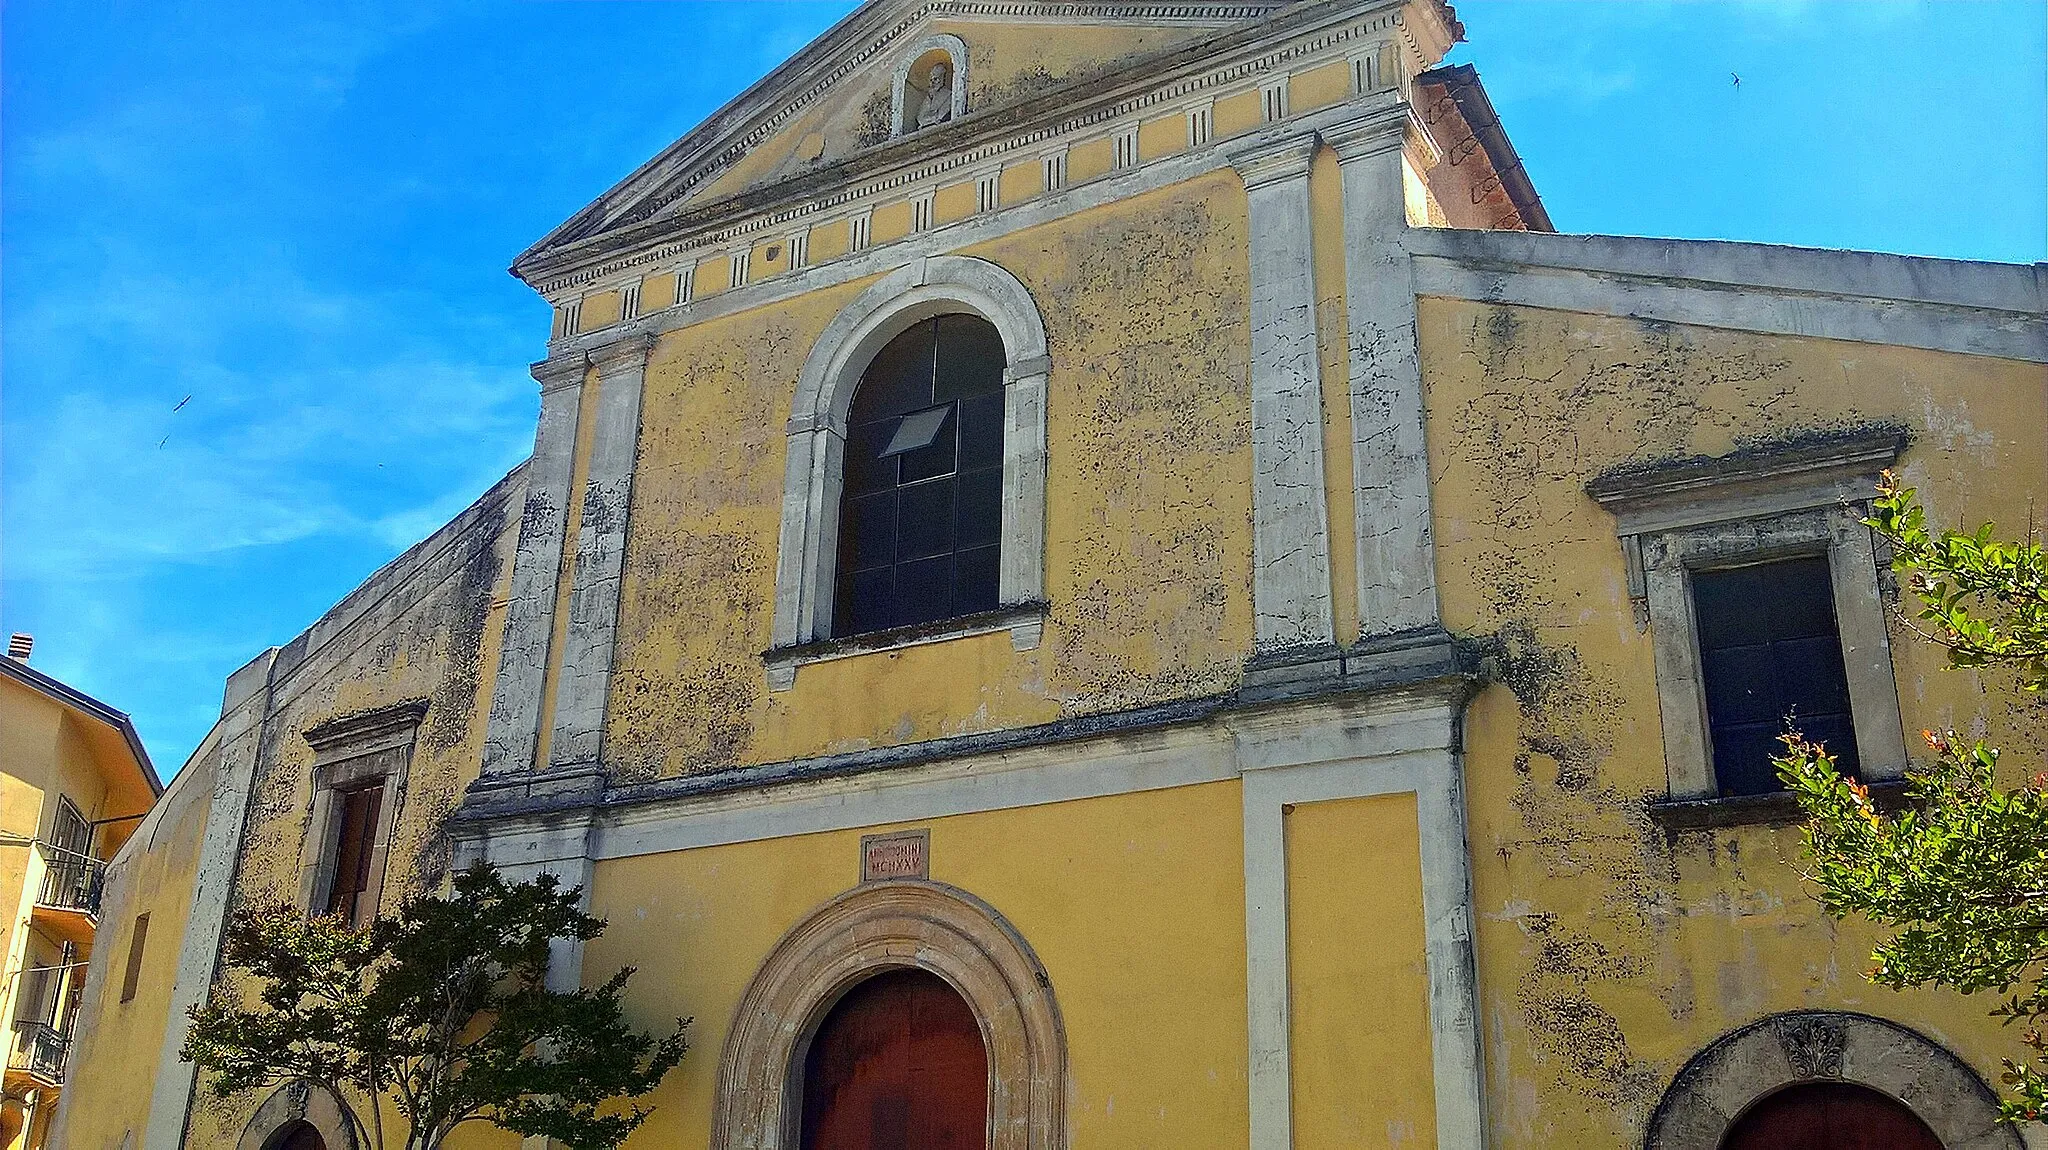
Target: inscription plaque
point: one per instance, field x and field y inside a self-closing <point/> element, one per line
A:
<point x="902" y="854"/>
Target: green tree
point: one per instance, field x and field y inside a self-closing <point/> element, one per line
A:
<point x="442" y="1009"/>
<point x="1960" y="875"/>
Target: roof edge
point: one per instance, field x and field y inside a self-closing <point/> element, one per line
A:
<point x="66" y="695"/>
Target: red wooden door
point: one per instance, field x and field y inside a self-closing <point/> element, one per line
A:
<point x="1829" y="1116"/>
<point x="897" y="1065"/>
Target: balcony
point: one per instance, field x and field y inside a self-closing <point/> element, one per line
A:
<point x="68" y="901"/>
<point x="38" y="1053"/>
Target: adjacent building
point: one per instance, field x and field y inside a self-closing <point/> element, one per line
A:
<point x="74" y="783"/>
<point x="1096" y="575"/>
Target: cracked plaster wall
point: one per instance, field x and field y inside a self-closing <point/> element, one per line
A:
<point x="1148" y="497"/>
<point x="441" y="646"/>
<point x="1607" y="954"/>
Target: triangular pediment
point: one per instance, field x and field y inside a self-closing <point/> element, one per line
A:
<point x="847" y="92"/>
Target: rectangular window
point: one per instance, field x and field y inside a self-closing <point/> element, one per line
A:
<point x="1127" y="147"/>
<point x="354" y="846"/>
<point x="137" y="939"/>
<point x="1771" y="660"/>
<point x="69" y="832"/>
<point x="1201" y="125"/>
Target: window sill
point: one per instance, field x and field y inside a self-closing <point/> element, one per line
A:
<point x="1778" y="808"/>
<point x="1025" y="622"/>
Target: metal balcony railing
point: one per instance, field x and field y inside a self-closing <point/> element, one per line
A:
<point x="71" y="881"/>
<point x="39" y="1048"/>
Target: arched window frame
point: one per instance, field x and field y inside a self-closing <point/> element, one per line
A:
<point x="899" y="85"/>
<point x="1719" y="1084"/>
<point x="871" y="929"/>
<point x="809" y="544"/>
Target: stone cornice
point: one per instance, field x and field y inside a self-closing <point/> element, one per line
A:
<point x="1025" y="128"/>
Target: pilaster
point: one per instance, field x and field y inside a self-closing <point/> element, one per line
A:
<point x="582" y="683"/>
<point x="513" y="732"/>
<point x="1397" y="595"/>
<point x="1290" y="524"/>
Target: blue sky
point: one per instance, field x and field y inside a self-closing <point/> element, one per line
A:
<point x="300" y="216"/>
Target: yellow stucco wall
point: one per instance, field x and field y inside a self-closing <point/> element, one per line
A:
<point x="1358" y="987"/>
<point x="1148" y="498"/>
<point x="1607" y="954"/>
<point x="115" y="1057"/>
<point x="1134" y="904"/>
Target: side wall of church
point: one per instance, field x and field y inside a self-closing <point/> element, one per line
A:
<point x="427" y="628"/>
<point x="1610" y="952"/>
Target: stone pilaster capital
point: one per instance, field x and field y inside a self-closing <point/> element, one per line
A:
<point x="1380" y="130"/>
<point x="559" y="371"/>
<point x="1260" y="162"/>
<point x="626" y="353"/>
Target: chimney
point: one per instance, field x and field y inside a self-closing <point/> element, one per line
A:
<point x="19" y="645"/>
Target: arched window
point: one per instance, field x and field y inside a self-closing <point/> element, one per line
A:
<point x="1829" y="1116"/>
<point x="921" y="525"/>
<point x="897" y="1063"/>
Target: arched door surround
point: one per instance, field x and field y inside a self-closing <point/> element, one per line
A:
<point x="812" y="483"/>
<point x="869" y="930"/>
<point x="281" y="1122"/>
<point x="1744" y="1068"/>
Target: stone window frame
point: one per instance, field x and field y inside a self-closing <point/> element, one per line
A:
<point x="1782" y="500"/>
<point x="956" y="54"/>
<point x="1721" y="1083"/>
<point x="808" y="546"/>
<point x="373" y="748"/>
<point x="866" y="931"/>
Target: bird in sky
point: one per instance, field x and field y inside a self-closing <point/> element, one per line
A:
<point x="181" y="405"/>
<point x="1737" y="79"/>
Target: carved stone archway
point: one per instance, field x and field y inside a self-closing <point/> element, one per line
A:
<point x="294" y="1102"/>
<point x="884" y="926"/>
<point x="1747" y="1065"/>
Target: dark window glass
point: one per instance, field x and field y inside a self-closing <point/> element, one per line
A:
<point x="1771" y="658"/>
<point x="921" y="521"/>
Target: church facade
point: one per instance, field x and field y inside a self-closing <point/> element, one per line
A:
<point x="1096" y="574"/>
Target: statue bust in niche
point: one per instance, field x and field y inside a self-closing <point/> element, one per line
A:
<point x="937" y="105"/>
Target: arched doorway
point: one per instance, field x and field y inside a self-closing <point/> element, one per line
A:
<point x="1830" y="1116"/>
<point x="897" y="1064"/>
<point x="298" y="1136"/>
<point x="1829" y="1080"/>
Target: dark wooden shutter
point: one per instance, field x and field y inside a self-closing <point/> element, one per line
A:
<point x="1830" y="1116"/>
<point x="353" y="848"/>
<point x="897" y="1065"/>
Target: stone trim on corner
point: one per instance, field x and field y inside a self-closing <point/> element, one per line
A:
<point x="868" y="930"/>
<point x="1740" y="1068"/>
